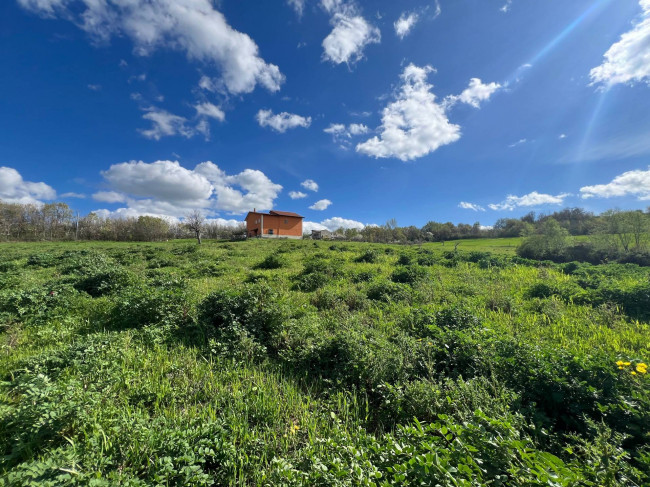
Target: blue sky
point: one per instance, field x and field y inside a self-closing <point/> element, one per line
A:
<point x="347" y="112"/>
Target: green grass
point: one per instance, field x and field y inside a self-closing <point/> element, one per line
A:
<point x="319" y="363"/>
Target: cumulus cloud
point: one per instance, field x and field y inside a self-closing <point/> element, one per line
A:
<point x="630" y="183"/>
<point x="310" y="184"/>
<point x="281" y="122"/>
<point x="414" y="124"/>
<point x="321" y="205"/>
<point x="109" y="197"/>
<point x="14" y="189"/>
<point x="167" y="188"/>
<point x="470" y="206"/>
<point x="350" y="35"/>
<point x="506" y="6"/>
<point x="72" y="194"/>
<point x="531" y="199"/>
<point x="474" y="94"/>
<point x="194" y="27"/>
<point x="628" y="60"/>
<point x="296" y="195"/>
<point x="333" y="224"/>
<point x="405" y="23"/>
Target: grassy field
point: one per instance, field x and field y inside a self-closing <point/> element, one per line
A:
<point x="320" y="363"/>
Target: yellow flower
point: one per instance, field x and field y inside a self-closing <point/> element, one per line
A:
<point x="627" y="363"/>
<point x="620" y="367"/>
<point x="633" y="373"/>
<point x="620" y="364"/>
<point x="641" y="368"/>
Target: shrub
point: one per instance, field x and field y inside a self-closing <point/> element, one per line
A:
<point x="409" y="274"/>
<point x="259" y="309"/>
<point x="273" y="261"/>
<point x="387" y="291"/>
<point x="106" y="281"/>
<point x="369" y="256"/>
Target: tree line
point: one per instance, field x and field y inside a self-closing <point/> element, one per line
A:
<point x="57" y="221"/>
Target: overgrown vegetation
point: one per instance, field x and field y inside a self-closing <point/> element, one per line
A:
<point x="307" y="363"/>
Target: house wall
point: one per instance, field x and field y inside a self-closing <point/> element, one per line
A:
<point x="292" y="228"/>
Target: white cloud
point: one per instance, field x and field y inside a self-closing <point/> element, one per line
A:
<point x="296" y="195"/>
<point x="164" y="124"/>
<point x="562" y="136"/>
<point x="207" y="109"/>
<point x="340" y="132"/>
<point x="333" y="224"/>
<point x="297" y="5"/>
<point x="470" y="206"/>
<point x="413" y="125"/>
<point x="310" y="184"/>
<point x="281" y="122"/>
<point x="72" y="194"/>
<point x="167" y="188"/>
<point x="14" y="189"/>
<point x="191" y="26"/>
<point x="335" y="129"/>
<point x="109" y="197"/>
<point x="628" y="60"/>
<point x="474" y="94"/>
<point x="94" y="87"/>
<point x="256" y="189"/>
<point x="506" y="6"/>
<point x="631" y="183"/>
<point x="350" y="35"/>
<point x="531" y="199"/>
<point x="518" y="143"/>
<point x="222" y="222"/>
<point x="320" y="205"/>
<point x="405" y="23"/>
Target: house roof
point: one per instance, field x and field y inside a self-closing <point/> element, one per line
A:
<point x="285" y="213"/>
<point x="275" y="213"/>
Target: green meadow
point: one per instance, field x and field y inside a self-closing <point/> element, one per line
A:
<point x="288" y="363"/>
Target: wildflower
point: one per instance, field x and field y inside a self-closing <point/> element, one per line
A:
<point x="633" y="373"/>
<point x="620" y="367"/>
<point x="641" y="368"/>
<point x="620" y="364"/>
<point x="294" y="429"/>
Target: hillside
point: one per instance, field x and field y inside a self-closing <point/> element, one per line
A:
<point x="320" y="363"/>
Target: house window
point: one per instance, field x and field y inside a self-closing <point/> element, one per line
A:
<point x="286" y="221"/>
<point x="270" y="231"/>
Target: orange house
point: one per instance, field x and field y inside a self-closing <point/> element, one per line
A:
<point x="274" y="224"/>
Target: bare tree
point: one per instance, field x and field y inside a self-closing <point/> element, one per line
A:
<point x="194" y="221"/>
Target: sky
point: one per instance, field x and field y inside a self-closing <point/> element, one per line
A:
<point x="348" y="112"/>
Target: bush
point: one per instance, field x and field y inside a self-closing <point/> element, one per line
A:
<point x="387" y="291"/>
<point x="106" y="281"/>
<point x="409" y="274"/>
<point x="257" y="308"/>
<point x="273" y="261"/>
<point x="369" y="256"/>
